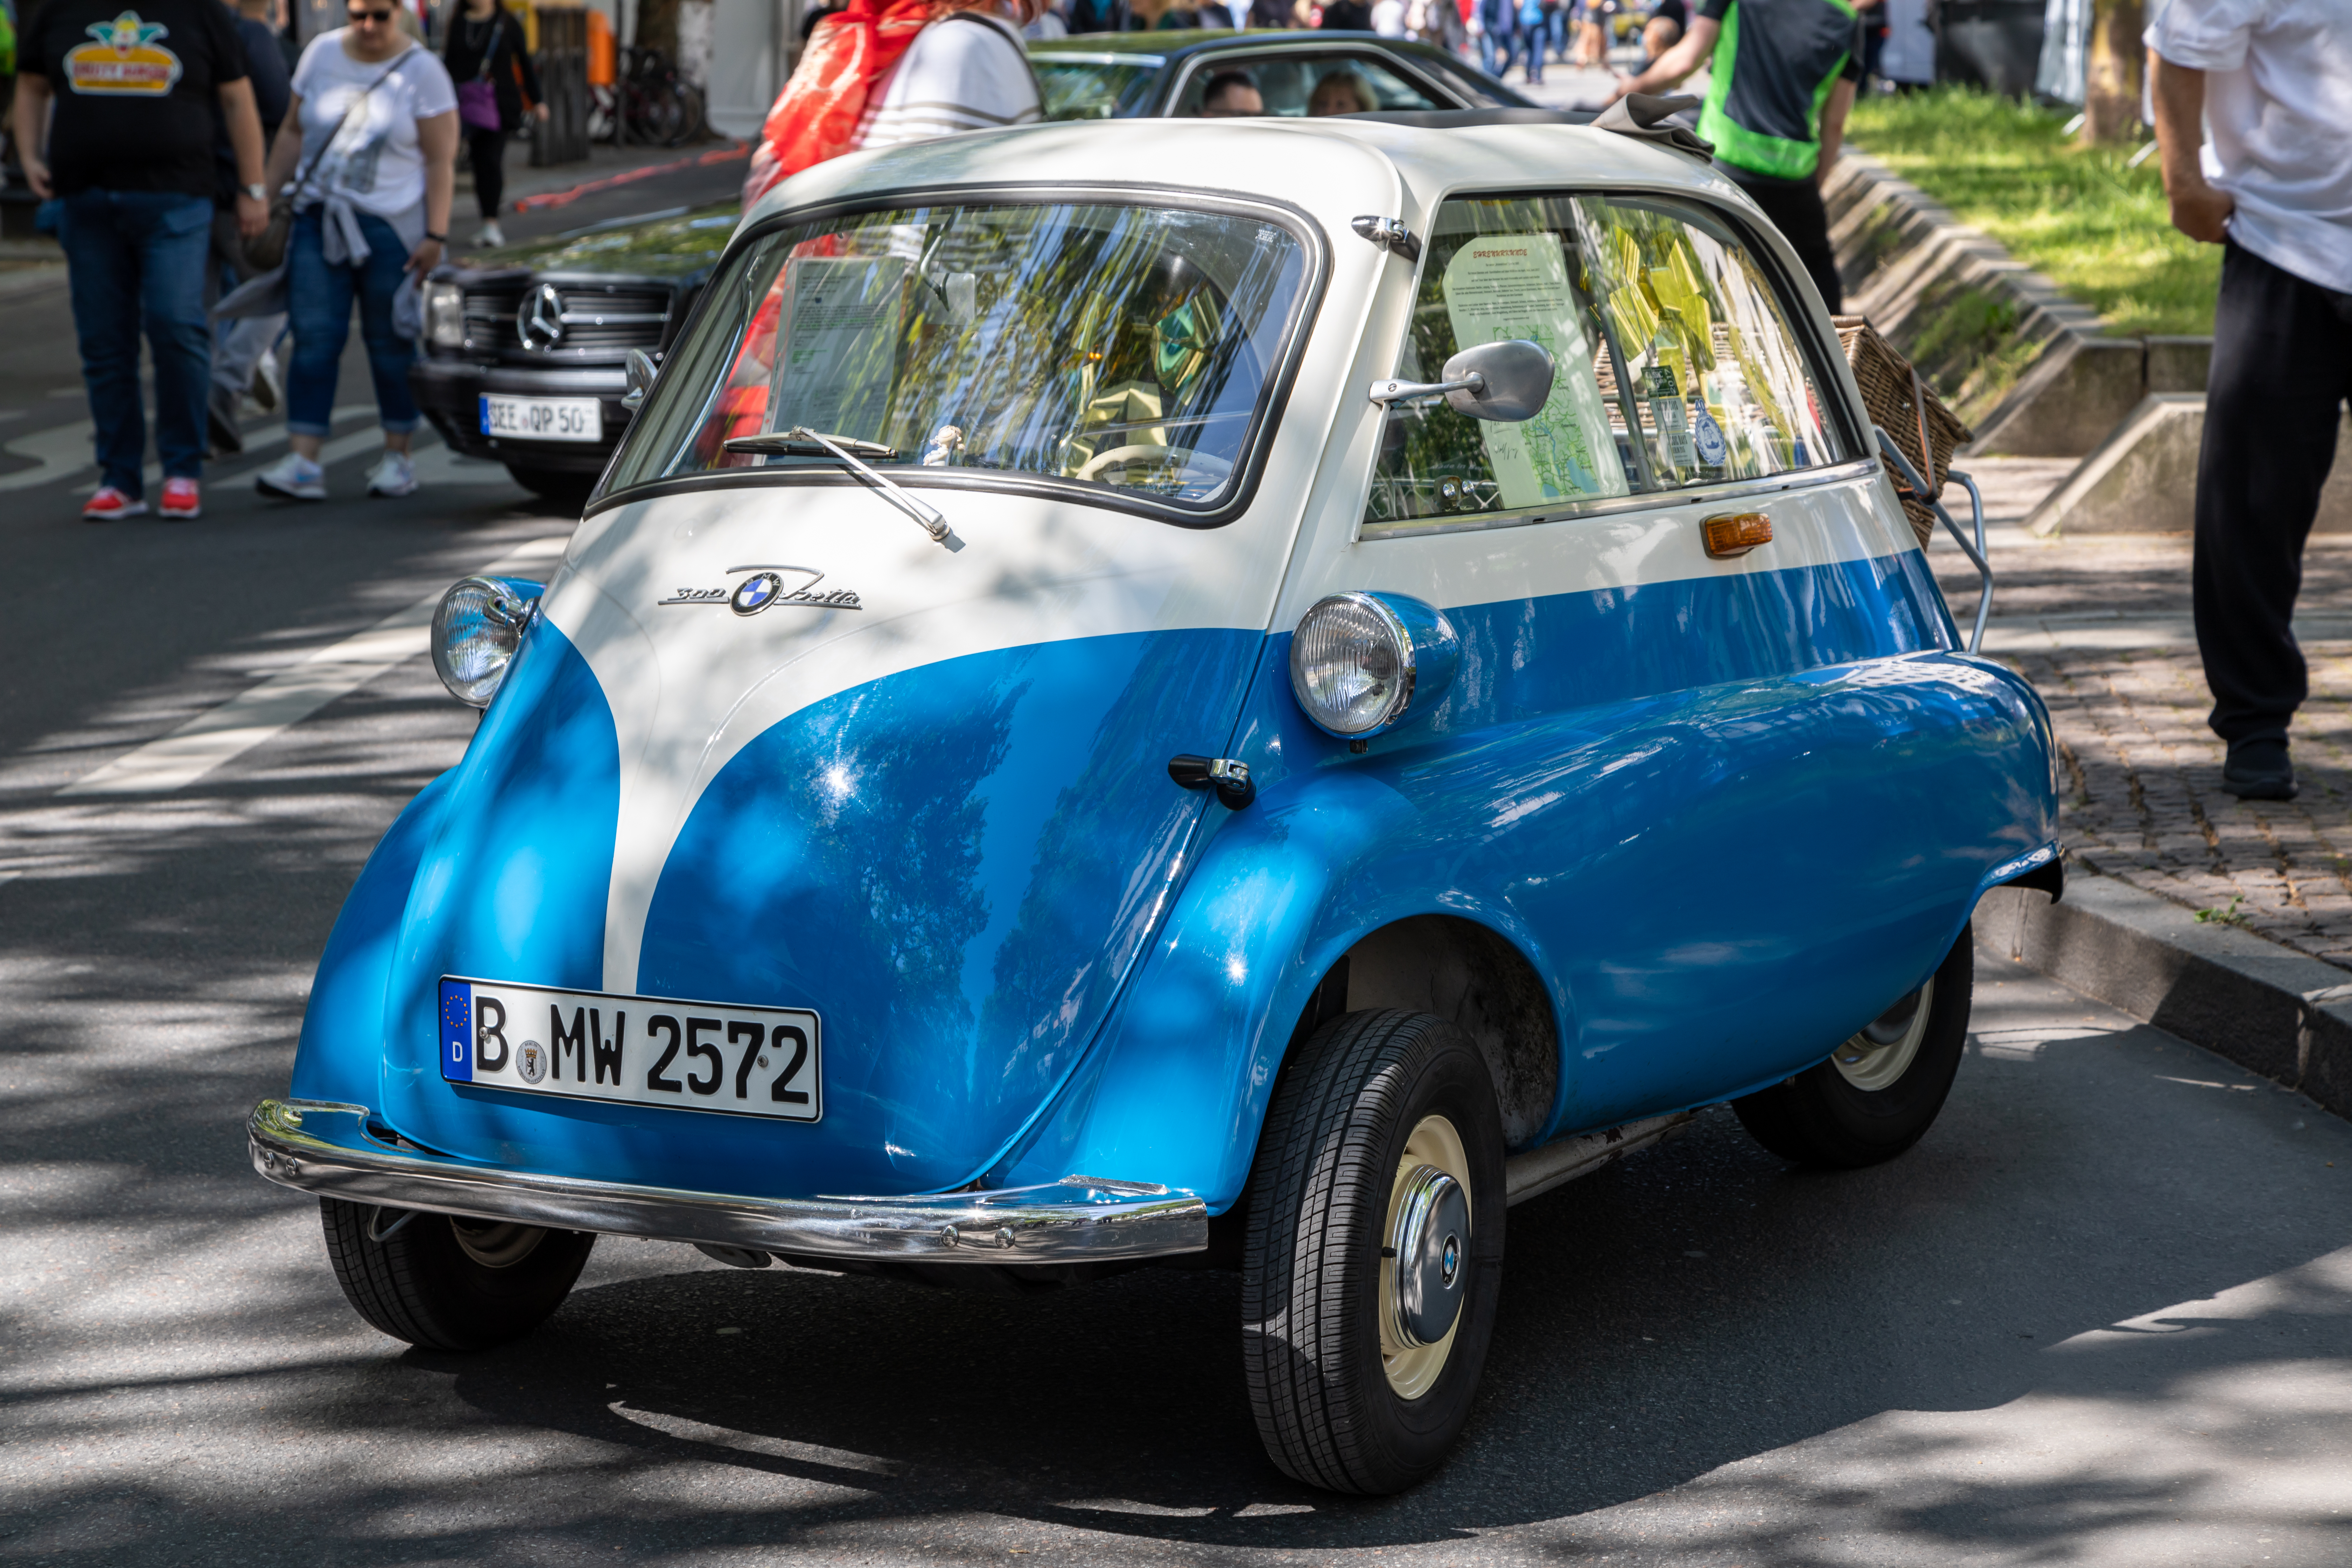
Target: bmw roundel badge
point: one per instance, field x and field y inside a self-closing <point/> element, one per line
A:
<point x="756" y="593"/>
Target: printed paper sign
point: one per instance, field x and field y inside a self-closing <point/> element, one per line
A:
<point x="843" y="320"/>
<point x="1500" y="287"/>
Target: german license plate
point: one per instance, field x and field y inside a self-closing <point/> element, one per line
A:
<point x="639" y="1050"/>
<point x="542" y="418"/>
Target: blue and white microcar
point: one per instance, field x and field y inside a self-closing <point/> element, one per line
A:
<point x="1239" y="695"/>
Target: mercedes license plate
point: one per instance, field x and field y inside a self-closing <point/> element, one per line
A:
<point x="542" y="418"/>
<point x="640" y="1050"/>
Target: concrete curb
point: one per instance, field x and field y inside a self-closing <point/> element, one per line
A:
<point x="2269" y="1009"/>
<point x="2143" y="478"/>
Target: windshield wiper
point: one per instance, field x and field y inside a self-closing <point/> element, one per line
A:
<point x="801" y="441"/>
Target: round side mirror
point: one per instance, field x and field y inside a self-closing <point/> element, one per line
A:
<point x="1510" y="381"/>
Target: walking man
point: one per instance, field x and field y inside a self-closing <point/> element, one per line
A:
<point x="2270" y="83"/>
<point x="131" y="154"/>
<point x="241" y="347"/>
<point x="1777" y="98"/>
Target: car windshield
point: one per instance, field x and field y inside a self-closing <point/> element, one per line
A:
<point x="1094" y="88"/>
<point x="1123" y="346"/>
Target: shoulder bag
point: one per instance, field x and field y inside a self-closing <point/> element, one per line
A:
<point x="267" y="250"/>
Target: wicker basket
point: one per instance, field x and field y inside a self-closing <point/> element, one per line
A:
<point x="1907" y="408"/>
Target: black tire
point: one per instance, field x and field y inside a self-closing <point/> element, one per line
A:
<point x="557" y="486"/>
<point x="1319" y="1209"/>
<point x="1822" y="1118"/>
<point x="422" y="1283"/>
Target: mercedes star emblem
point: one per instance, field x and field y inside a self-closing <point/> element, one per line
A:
<point x="539" y="319"/>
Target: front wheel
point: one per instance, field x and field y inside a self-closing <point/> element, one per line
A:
<point x="559" y="486"/>
<point x="1374" y="1250"/>
<point x="1879" y="1091"/>
<point x="445" y="1283"/>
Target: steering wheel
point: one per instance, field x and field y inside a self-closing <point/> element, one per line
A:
<point x="1213" y="468"/>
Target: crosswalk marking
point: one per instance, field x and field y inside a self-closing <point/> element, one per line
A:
<point x="287" y="697"/>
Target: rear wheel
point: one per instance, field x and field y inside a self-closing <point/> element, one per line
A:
<point x="1374" y="1251"/>
<point x="1881" y="1090"/>
<point x="450" y="1284"/>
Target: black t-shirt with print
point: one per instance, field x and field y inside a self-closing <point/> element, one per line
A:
<point x="136" y="83"/>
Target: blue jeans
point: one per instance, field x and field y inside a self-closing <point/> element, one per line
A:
<point x="136" y="260"/>
<point x="319" y="304"/>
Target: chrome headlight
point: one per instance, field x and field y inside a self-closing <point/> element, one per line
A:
<point x="445" y="315"/>
<point x="476" y="627"/>
<point x="1359" y="662"/>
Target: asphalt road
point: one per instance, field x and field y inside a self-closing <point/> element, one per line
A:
<point x="2103" y="1315"/>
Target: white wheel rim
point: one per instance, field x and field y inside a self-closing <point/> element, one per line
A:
<point x="1413" y="1370"/>
<point x="1870" y="1065"/>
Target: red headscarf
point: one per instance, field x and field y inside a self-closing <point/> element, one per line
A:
<point x="816" y="115"/>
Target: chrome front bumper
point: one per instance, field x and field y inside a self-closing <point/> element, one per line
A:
<point x="327" y="1149"/>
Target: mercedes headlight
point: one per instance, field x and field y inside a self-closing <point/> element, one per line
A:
<point x="445" y="315"/>
<point x="1359" y="662"/>
<point x="476" y="627"/>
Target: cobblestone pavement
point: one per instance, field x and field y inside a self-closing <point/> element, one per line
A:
<point x="2101" y="627"/>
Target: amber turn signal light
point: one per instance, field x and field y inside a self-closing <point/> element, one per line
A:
<point x="1736" y="533"/>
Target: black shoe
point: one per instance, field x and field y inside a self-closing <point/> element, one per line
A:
<point x="2258" y="770"/>
<point x="224" y="438"/>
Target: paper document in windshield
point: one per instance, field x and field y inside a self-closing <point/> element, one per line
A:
<point x="1504" y="286"/>
<point x="844" y="320"/>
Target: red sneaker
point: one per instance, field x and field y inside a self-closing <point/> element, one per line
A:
<point x="182" y="499"/>
<point x="109" y="504"/>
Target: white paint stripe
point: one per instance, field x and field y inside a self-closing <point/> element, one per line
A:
<point x="286" y="699"/>
<point x="63" y="451"/>
<point x="358" y="443"/>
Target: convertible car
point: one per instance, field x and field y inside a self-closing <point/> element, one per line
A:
<point x="1106" y="717"/>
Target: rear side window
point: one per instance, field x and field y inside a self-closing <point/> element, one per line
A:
<point x="1676" y="366"/>
<point x="1294" y="83"/>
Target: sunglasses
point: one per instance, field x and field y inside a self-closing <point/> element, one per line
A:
<point x="384" y="15"/>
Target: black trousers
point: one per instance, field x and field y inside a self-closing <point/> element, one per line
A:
<point x="2281" y="370"/>
<point x="486" y="152"/>
<point x="1796" y="210"/>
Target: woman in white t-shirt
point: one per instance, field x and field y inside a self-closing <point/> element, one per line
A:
<point x="371" y="133"/>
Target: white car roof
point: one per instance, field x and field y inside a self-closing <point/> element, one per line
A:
<point x="1334" y="168"/>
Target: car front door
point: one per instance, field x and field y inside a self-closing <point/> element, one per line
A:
<point x="1701" y="771"/>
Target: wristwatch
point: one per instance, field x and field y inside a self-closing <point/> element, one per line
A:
<point x="259" y="193"/>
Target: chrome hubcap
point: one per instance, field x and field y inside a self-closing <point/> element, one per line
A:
<point x="1425" y="1258"/>
<point x="1431" y="1222"/>
<point x="1884" y="1050"/>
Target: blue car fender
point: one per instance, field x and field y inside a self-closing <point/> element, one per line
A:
<point x="1178" y="1085"/>
<point x="341" y="1054"/>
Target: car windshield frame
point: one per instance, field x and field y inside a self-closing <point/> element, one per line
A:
<point x="1266" y="413"/>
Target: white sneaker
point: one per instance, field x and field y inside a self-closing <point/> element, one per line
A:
<point x="294" y="476"/>
<point x="393" y="476"/>
<point x="264" y="389"/>
<point x="490" y="234"/>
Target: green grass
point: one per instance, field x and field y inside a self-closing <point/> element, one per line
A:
<point x="2097" y="229"/>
